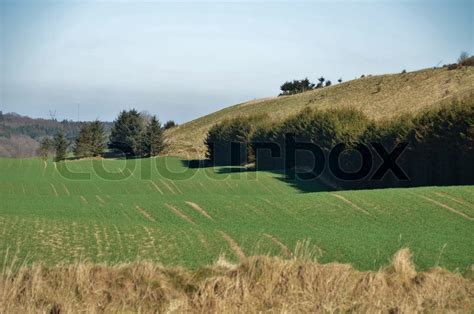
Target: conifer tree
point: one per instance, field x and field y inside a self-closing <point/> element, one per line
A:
<point x="83" y="143"/>
<point x="127" y="132"/>
<point x="98" y="144"/>
<point x="153" y="138"/>
<point x="60" y="145"/>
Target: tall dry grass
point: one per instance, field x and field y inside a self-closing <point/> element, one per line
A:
<point x="257" y="284"/>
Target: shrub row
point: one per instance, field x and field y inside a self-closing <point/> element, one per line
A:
<point x="228" y="142"/>
<point x="439" y="145"/>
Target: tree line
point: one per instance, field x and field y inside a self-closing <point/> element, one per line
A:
<point x="439" y="151"/>
<point x="300" y="86"/>
<point x="133" y="134"/>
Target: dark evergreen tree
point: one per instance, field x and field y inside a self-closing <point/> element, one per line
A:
<point x="60" y="146"/>
<point x="321" y="82"/>
<point x="91" y="140"/>
<point x="295" y="87"/>
<point x="126" y="134"/>
<point x="169" y="124"/>
<point x="228" y="142"/>
<point x="98" y="139"/>
<point x="83" y="142"/>
<point x="153" y="138"/>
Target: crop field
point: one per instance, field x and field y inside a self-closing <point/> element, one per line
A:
<point x="161" y="210"/>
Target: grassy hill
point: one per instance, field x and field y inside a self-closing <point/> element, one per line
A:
<point x="185" y="216"/>
<point x="380" y="97"/>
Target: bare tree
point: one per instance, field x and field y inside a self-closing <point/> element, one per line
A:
<point x="52" y="115"/>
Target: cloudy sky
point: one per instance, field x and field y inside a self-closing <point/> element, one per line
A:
<point x="184" y="60"/>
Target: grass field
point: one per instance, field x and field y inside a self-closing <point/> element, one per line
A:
<point x="188" y="217"/>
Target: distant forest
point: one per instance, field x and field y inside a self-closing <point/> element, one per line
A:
<point x="20" y="135"/>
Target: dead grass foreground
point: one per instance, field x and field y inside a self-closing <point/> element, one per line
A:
<point x="257" y="284"/>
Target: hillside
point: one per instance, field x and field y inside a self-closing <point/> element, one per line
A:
<point x="380" y="97"/>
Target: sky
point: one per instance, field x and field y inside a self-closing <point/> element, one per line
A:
<point x="89" y="60"/>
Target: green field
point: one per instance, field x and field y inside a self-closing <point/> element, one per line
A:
<point x="188" y="217"/>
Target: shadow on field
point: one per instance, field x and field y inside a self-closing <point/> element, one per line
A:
<point x="304" y="183"/>
<point x="197" y="163"/>
<point x="110" y="154"/>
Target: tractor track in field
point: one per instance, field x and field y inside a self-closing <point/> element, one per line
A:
<point x="179" y="213"/>
<point x="455" y="211"/>
<point x="66" y="189"/>
<point x="100" y="199"/>
<point x="156" y="187"/>
<point x="84" y="200"/>
<point x="199" y="209"/>
<point x="151" y="244"/>
<point x="119" y="238"/>
<point x="345" y="200"/>
<point x="446" y="195"/>
<point x="282" y="246"/>
<point x="54" y="189"/>
<point x="98" y="241"/>
<point x="233" y="245"/>
<point x="176" y="187"/>
<point x="167" y="186"/>
<point x="145" y="213"/>
<point x="266" y="200"/>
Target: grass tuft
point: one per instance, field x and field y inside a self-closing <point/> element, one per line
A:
<point x="258" y="284"/>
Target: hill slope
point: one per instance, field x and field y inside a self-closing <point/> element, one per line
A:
<point x="380" y="97"/>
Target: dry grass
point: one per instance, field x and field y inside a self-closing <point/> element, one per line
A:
<point x="258" y="284"/>
<point x="382" y="96"/>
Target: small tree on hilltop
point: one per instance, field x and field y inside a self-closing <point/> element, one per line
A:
<point x="321" y="82"/>
<point x="169" y="124"/>
<point x="296" y="86"/>
<point x="340" y="80"/>
<point x="153" y="138"/>
<point x="328" y="83"/>
<point x="60" y="146"/>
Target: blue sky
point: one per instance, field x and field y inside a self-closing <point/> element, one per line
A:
<point x="184" y="60"/>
